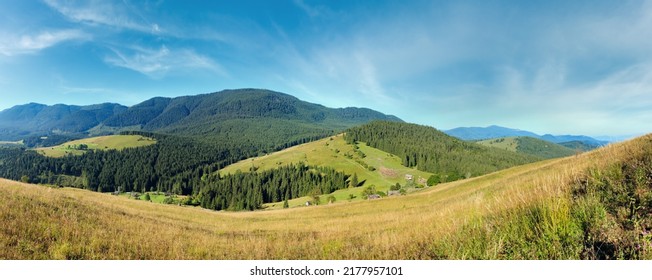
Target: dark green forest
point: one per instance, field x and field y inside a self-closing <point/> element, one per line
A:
<point x="430" y="150"/>
<point x="250" y="190"/>
<point x="184" y="166"/>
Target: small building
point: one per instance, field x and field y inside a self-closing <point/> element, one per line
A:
<point x="409" y="177"/>
<point x="422" y="181"/>
<point x="308" y="203"/>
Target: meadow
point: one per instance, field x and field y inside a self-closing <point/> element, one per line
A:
<point x="554" y="209"/>
<point x="111" y="142"/>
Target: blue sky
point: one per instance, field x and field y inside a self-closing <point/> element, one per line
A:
<point x="563" y="67"/>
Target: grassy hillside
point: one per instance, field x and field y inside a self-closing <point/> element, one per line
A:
<point x="376" y="168"/>
<point x="594" y="205"/>
<point x="529" y="146"/>
<point x="112" y="142"/>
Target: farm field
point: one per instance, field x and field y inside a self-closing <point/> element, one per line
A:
<point x="111" y="142"/>
<point x="382" y="169"/>
<point x="532" y="211"/>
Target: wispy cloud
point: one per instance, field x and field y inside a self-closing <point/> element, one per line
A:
<point x="25" y="44"/>
<point x="157" y="63"/>
<point x="312" y="11"/>
<point x="107" y="13"/>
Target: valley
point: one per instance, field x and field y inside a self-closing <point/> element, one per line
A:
<point x="256" y="174"/>
<point x="542" y="210"/>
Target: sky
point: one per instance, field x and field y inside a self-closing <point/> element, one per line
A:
<point x="561" y="67"/>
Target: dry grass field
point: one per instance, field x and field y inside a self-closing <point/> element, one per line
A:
<point x="526" y="212"/>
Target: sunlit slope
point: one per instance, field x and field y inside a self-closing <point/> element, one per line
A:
<point x="522" y="212"/>
<point x="111" y="142"/>
<point x="376" y="167"/>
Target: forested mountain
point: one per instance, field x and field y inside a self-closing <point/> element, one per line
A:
<point x="265" y="119"/>
<point x="262" y="118"/>
<point x="531" y="146"/>
<point x="492" y="132"/>
<point x="430" y="150"/>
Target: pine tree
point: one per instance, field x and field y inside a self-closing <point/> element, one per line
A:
<point x="354" y="180"/>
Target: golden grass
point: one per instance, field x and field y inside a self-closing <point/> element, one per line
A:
<point x="42" y="223"/>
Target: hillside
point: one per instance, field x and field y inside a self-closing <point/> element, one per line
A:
<point x="570" y="208"/>
<point x="429" y="149"/>
<point x="111" y="142"/>
<point x="530" y="146"/>
<point x="373" y="167"/>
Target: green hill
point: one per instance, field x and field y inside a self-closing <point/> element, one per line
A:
<point x="529" y="146"/>
<point x="429" y="149"/>
<point x="373" y="167"/>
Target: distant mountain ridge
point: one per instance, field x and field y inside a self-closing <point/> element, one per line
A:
<point x="33" y="118"/>
<point x="223" y="115"/>
<point x="494" y="131"/>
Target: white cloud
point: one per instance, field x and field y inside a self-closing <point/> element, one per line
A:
<point x="157" y="63"/>
<point x="108" y="13"/>
<point x="25" y="44"/>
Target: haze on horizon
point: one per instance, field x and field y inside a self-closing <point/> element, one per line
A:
<point x="561" y="67"/>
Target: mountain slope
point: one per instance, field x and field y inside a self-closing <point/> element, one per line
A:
<point x="529" y="146"/>
<point x="200" y="113"/>
<point x="552" y="209"/>
<point x="430" y="150"/>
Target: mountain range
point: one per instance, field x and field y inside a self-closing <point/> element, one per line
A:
<point x="494" y="131"/>
<point x="276" y="117"/>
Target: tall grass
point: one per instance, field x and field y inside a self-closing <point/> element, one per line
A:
<point x="555" y="209"/>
